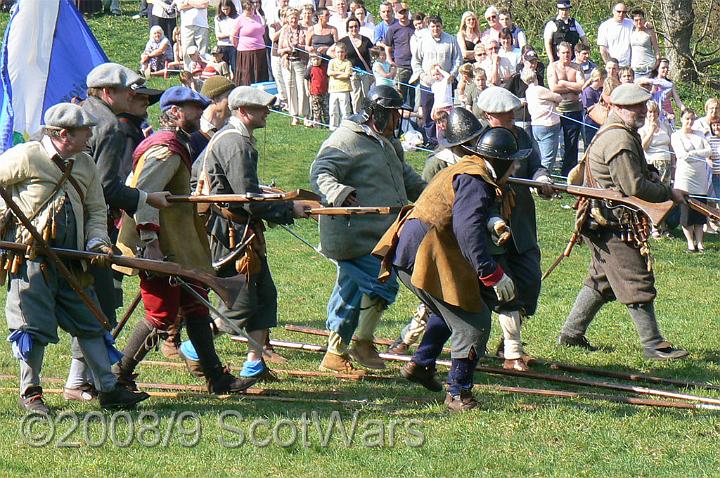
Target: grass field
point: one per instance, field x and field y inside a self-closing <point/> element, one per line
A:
<point x="508" y="435"/>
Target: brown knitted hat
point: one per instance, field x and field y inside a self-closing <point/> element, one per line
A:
<point x="216" y="86"/>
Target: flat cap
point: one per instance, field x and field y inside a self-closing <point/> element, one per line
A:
<point x="497" y="100"/>
<point x="629" y="94"/>
<point x="112" y="75"/>
<point x="177" y="95"/>
<point x="152" y="93"/>
<point x="68" y="116"/>
<point x="244" y="96"/>
<point x="216" y="86"/>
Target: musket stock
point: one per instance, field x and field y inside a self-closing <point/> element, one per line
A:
<point x="226" y="288"/>
<point x="351" y="211"/>
<point x="655" y="211"/>
<point x="298" y="194"/>
<point x="706" y="210"/>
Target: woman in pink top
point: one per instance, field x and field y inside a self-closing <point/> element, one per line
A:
<point x="248" y="40"/>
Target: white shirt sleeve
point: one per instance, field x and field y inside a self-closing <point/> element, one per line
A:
<point x="602" y="34"/>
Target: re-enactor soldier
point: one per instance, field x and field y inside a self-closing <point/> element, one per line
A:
<point x="620" y="267"/>
<point x="361" y="164"/>
<point x="438" y="249"/>
<point x="57" y="186"/>
<point x="162" y="162"/>
<point x="229" y="166"/>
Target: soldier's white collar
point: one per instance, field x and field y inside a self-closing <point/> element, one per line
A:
<point x="237" y="124"/>
<point x="50" y="149"/>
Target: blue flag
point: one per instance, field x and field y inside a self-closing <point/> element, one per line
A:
<point x="48" y="51"/>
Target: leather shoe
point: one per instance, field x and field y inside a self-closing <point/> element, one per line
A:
<point x="33" y="402"/>
<point x="518" y="365"/>
<point x="228" y="383"/>
<point x="84" y="393"/>
<point x="121" y="398"/>
<point x="664" y="351"/>
<point x="461" y="403"/>
<point x="581" y="342"/>
<point x="398" y="348"/>
<point x="424" y="376"/>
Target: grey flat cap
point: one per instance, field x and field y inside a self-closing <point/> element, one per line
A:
<point x="68" y="116"/>
<point x="629" y="94"/>
<point x="112" y="75"/>
<point x="497" y="100"/>
<point x="244" y="96"/>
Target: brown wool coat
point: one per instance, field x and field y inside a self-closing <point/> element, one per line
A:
<point x="182" y="233"/>
<point x="440" y="267"/>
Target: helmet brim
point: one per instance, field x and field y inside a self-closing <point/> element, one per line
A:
<point x="444" y="143"/>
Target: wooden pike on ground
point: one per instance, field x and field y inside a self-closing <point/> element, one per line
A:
<point x="632" y="375"/>
<point x="529" y="375"/>
<point x="492" y="388"/>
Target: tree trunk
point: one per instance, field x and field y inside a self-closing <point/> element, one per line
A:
<point x="678" y="20"/>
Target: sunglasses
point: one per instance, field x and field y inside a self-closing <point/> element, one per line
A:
<point x="493" y="48"/>
<point x="491" y="17"/>
<point x="621" y="11"/>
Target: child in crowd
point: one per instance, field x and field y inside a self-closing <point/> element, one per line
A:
<point x="318" y="88"/>
<point x="627" y="75"/>
<point x="582" y="58"/>
<point x="339" y="72"/>
<point x="664" y="91"/>
<point x="218" y="63"/>
<point x="442" y="90"/>
<point x="196" y="62"/>
<point x="383" y="70"/>
<point x="473" y="90"/>
<point x="714" y="139"/>
<point x="466" y="77"/>
<point x="591" y="95"/>
<point x="187" y="79"/>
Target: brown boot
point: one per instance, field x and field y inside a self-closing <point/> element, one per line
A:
<point x="398" y="348"/>
<point x="170" y="346"/>
<point x="339" y="364"/>
<point x="366" y="354"/>
<point x="461" y="403"/>
<point x="425" y="376"/>
<point x="515" y="364"/>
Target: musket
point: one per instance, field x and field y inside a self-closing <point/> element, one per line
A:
<point x="298" y="194"/>
<point x="655" y="211"/>
<point x="226" y="288"/>
<point x="352" y="211"/>
<point x="706" y="210"/>
<point x="45" y="249"/>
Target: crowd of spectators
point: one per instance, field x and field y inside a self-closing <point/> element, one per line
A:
<point x="322" y="56"/>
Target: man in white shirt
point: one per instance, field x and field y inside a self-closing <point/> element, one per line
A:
<point x="193" y="26"/>
<point x="498" y="68"/>
<point x="340" y="17"/>
<point x="614" y="36"/>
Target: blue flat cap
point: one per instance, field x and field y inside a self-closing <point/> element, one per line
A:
<point x="177" y="95"/>
<point x="68" y="116"/>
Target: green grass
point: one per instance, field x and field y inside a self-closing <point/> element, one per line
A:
<point x="508" y="435"/>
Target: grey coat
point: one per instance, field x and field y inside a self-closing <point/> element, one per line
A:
<point x="108" y="147"/>
<point x="375" y="169"/>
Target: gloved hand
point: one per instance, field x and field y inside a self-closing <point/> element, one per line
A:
<point x="499" y="231"/>
<point x="505" y="289"/>
<point x="546" y="191"/>
<point x="101" y="247"/>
